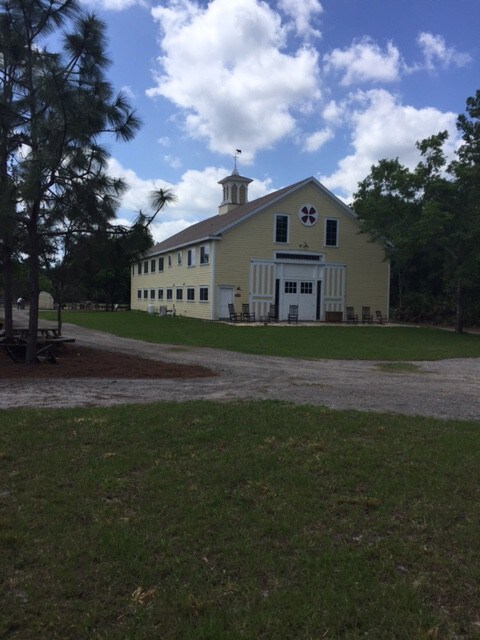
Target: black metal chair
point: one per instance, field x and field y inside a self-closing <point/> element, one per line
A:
<point x="367" y="317"/>
<point x="247" y="315"/>
<point x="293" y="313"/>
<point x="234" y="316"/>
<point x="272" y="315"/>
<point x="352" y="317"/>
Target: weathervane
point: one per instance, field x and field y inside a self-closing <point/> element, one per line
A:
<point x="237" y="153"/>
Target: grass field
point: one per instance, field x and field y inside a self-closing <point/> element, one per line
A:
<point x="345" y="343"/>
<point x="256" y="521"/>
<point x="237" y="521"/>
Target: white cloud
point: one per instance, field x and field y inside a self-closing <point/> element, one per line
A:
<point x="316" y="140"/>
<point x="435" y="52"/>
<point x="225" y="67"/>
<point x="302" y="12"/>
<point x="384" y="128"/>
<point x="173" y="161"/>
<point x="136" y="197"/>
<point x="163" y="230"/>
<point x="365" y="61"/>
<point x="334" y="113"/>
<point x="113" y="5"/>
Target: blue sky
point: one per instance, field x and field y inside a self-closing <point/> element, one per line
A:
<point x="322" y="88"/>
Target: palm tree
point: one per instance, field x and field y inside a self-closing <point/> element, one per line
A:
<point x="160" y="198"/>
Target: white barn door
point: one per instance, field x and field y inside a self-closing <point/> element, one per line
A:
<point x="262" y="286"/>
<point x="334" y="288"/>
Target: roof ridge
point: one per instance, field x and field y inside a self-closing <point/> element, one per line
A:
<point x="216" y="224"/>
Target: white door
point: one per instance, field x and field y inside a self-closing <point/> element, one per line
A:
<point x="225" y="297"/>
<point x="307" y="300"/>
<point x="302" y="293"/>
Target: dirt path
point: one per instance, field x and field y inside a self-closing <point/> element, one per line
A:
<point x="443" y="389"/>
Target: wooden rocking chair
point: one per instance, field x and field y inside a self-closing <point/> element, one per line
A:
<point x="367" y="317"/>
<point x="234" y="316"/>
<point x="247" y="315"/>
<point x="352" y="317"/>
<point x="293" y="314"/>
<point x="272" y="315"/>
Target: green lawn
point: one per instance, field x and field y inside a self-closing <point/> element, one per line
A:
<point x="227" y="521"/>
<point x="263" y="520"/>
<point x="347" y="343"/>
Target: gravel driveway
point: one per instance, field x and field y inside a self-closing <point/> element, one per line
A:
<point x="442" y="389"/>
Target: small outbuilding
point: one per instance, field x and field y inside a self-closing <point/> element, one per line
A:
<point x="45" y="301"/>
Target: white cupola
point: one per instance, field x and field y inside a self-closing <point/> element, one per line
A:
<point x="235" y="191"/>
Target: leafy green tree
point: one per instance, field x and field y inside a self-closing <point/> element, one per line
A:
<point x="429" y="218"/>
<point x="58" y="106"/>
<point x="109" y="254"/>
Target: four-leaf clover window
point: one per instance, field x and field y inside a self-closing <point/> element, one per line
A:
<point x="308" y="215"/>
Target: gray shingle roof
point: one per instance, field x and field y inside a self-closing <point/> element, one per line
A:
<point x="215" y="226"/>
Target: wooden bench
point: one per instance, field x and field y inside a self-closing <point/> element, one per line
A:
<point x="334" y="316"/>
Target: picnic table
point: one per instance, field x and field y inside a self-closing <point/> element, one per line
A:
<point x="47" y="339"/>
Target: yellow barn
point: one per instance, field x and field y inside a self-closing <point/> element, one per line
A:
<point x="299" y="246"/>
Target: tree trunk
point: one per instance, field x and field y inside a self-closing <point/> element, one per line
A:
<point x="33" y="287"/>
<point x="59" y="316"/>
<point x="459" y="320"/>
<point x="7" y="287"/>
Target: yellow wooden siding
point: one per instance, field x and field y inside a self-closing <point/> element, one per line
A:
<point x="366" y="273"/>
<point x="176" y="277"/>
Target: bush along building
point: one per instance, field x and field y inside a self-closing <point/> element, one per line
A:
<point x="299" y="245"/>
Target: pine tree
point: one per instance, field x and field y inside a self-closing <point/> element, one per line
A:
<point x="56" y="109"/>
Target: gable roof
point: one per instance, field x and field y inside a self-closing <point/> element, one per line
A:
<point x="212" y="228"/>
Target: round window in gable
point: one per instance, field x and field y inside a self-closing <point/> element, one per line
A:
<point x="308" y="215"/>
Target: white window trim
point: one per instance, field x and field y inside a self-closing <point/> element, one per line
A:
<point x="193" y="254"/>
<point x="206" y="253"/>
<point x="282" y="215"/>
<point x="331" y="246"/>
